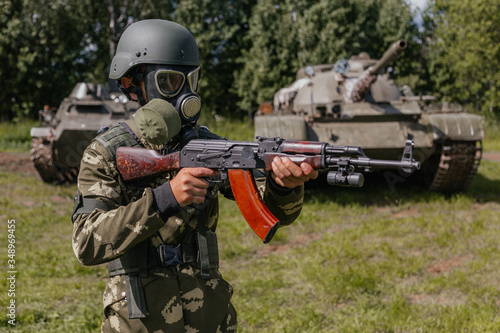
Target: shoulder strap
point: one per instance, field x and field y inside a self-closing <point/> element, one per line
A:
<point x="111" y="139"/>
<point x="133" y="263"/>
<point x="118" y="136"/>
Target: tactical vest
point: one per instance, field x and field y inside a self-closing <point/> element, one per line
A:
<point x="111" y="139"/>
<point x="118" y="136"/>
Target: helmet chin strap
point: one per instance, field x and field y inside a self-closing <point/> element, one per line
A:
<point x="142" y="96"/>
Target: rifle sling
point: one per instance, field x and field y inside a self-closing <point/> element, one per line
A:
<point x="203" y="246"/>
<point x="134" y="265"/>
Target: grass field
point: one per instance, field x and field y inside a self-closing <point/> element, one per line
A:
<point x="357" y="260"/>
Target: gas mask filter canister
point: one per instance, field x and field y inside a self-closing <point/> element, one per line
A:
<point x="158" y="121"/>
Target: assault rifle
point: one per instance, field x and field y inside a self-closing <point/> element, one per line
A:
<point x="237" y="159"/>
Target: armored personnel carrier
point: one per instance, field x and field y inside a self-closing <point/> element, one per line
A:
<point x="356" y="103"/>
<point x="58" y="145"/>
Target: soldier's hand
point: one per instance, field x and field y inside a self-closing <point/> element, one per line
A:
<point x="288" y="174"/>
<point x="190" y="185"/>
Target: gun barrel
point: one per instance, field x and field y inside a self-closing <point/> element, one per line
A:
<point x="407" y="166"/>
<point x="389" y="56"/>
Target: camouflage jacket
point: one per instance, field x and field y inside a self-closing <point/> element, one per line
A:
<point x="123" y="215"/>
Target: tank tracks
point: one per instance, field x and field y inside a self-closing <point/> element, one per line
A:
<point x="48" y="170"/>
<point x="457" y="167"/>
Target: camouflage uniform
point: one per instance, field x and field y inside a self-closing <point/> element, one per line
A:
<point x="122" y="218"/>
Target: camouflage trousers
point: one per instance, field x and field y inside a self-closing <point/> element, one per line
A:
<point x="177" y="300"/>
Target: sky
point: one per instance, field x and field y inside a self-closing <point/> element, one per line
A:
<point x="417" y="3"/>
<point x="418" y="6"/>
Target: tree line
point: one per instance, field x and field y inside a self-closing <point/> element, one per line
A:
<point x="251" y="48"/>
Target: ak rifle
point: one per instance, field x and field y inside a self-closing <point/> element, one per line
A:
<point x="237" y="159"/>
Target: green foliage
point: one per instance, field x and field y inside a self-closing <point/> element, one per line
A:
<point x="250" y="48"/>
<point x="228" y="127"/>
<point x="45" y="48"/>
<point x="220" y="28"/>
<point x="16" y="136"/>
<point x="492" y="132"/>
<point x="465" y="52"/>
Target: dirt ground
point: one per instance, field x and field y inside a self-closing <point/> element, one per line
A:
<point x="493" y="156"/>
<point x="16" y="162"/>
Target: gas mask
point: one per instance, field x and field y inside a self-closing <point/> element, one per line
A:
<point x="177" y="85"/>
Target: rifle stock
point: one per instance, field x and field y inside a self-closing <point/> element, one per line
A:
<point x="136" y="163"/>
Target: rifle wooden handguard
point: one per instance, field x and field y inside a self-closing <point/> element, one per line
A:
<point x="255" y="212"/>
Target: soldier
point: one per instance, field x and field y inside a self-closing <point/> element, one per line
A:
<point x="162" y="251"/>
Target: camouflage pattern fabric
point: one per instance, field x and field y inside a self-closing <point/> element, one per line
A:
<point x="177" y="298"/>
<point x="177" y="301"/>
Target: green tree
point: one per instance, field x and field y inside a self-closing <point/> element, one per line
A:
<point x="122" y="13"/>
<point x="219" y="27"/>
<point x="268" y="63"/>
<point x="47" y="46"/>
<point x="287" y="35"/>
<point x="464" y="39"/>
<point x="11" y="34"/>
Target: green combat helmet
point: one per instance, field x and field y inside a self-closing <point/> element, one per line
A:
<point x="154" y="42"/>
<point x="161" y="56"/>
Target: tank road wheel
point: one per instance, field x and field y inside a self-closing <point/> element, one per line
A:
<point x="457" y="166"/>
<point x="42" y="158"/>
<point x="66" y="174"/>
